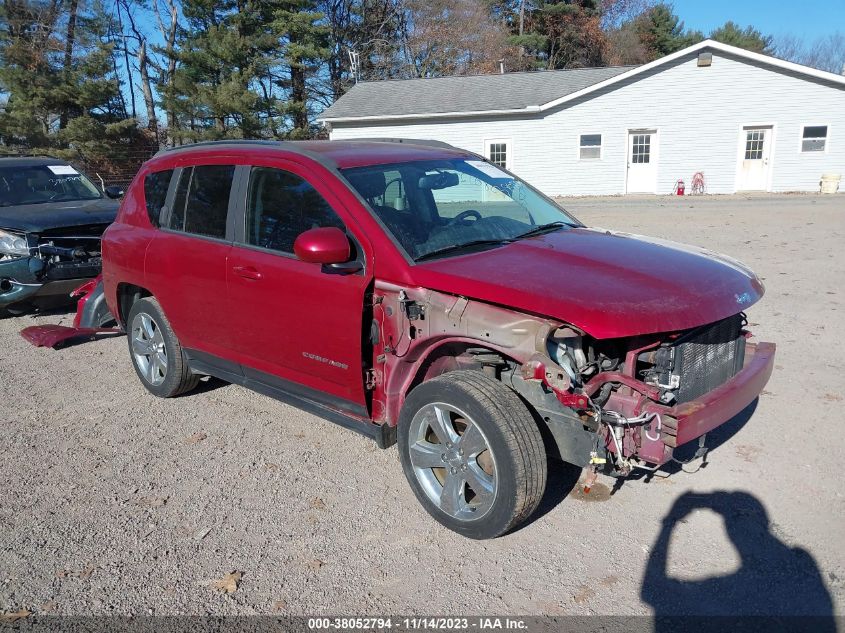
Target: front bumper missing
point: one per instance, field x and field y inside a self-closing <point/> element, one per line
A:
<point x="685" y="422"/>
<point x="32" y="281"/>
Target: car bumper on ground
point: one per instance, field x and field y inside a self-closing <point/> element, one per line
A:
<point x="688" y="421"/>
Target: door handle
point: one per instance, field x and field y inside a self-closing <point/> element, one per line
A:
<point x="247" y="272"/>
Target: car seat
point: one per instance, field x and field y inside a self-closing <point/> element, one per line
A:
<point x="403" y="225"/>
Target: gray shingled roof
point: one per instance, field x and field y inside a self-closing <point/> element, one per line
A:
<point x="478" y="93"/>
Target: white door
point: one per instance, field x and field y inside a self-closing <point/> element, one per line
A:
<point x="642" y="163"/>
<point x="755" y="151"/>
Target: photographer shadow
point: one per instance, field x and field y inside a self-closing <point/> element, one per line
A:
<point x="781" y="585"/>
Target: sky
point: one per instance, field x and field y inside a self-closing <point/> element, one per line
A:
<point x="806" y="19"/>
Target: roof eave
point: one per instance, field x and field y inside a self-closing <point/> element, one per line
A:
<point x="713" y="44"/>
<point x="431" y="115"/>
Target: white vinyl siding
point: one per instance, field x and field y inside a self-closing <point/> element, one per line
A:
<point x="700" y="112"/>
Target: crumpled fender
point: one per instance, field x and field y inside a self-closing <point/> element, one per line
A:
<point x="92" y="313"/>
<point x="91" y="308"/>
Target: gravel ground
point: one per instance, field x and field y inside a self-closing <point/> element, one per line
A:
<point x="115" y="502"/>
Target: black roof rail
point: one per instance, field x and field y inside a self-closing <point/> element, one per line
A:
<point x="409" y="141"/>
<point x="234" y="141"/>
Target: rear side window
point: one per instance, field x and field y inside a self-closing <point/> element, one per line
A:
<point x="202" y="200"/>
<point x="281" y="206"/>
<point x="155" y="193"/>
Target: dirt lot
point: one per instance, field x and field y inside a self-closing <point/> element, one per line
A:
<point x="112" y="501"/>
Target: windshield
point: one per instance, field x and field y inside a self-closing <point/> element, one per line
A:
<point x="44" y="183"/>
<point x="449" y="207"/>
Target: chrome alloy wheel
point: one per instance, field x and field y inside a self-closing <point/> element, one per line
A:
<point x="452" y="461"/>
<point x="148" y="348"/>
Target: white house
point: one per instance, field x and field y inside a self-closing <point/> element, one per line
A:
<point x="747" y="122"/>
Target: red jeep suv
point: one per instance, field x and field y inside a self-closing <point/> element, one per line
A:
<point x="418" y="293"/>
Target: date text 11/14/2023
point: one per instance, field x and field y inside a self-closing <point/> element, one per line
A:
<point x="420" y="623"/>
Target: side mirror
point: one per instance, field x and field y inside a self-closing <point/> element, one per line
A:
<point x="114" y="192"/>
<point x="327" y="245"/>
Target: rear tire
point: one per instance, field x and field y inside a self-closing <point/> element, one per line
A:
<point x="155" y="351"/>
<point x="472" y="454"/>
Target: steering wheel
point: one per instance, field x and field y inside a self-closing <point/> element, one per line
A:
<point x="463" y="216"/>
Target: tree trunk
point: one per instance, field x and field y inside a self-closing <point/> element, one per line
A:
<point x="298" y="96"/>
<point x="69" y="41"/>
<point x="521" y="17"/>
<point x="143" y="69"/>
<point x="130" y="78"/>
<point x="149" y="101"/>
<point x="168" y="34"/>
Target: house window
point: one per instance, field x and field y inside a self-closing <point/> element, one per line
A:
<point x="590" y="147"/>
<point x="814" y="138"/>
<point x="498" y="153"/>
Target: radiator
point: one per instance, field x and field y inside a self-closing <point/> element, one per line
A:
<point x="709" y="356"/>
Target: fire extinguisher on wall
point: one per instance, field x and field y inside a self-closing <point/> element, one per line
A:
<point x="679" y="188"/>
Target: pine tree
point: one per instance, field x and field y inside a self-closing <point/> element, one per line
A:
<point x="57" y="71"/>
<point x="306" y="49"/>
<point x="662" y="32"/>
<point x="748" y="38"/>
<point x="227" y="47"/>
<point x="561" y="34"/>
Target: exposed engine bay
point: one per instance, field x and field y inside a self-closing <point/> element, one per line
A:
<point x="58" y="260"/>
<point x="618" y="377"/>
<point x="72" y="253"/>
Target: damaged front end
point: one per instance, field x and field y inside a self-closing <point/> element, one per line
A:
<point x="610" y="405"/>
<point x="642" y="397"/>
<point x="41" y="269"/>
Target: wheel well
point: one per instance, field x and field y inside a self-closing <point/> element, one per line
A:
<point x="127" y="294"/>
<point x="458" y="355"/>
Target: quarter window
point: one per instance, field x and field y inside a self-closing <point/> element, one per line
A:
<point x="590" y="146"/>
<point x="202" y="200"/>
<point x="281" y="206"/>
<point x="814" y="138"/>
<point x="155" y="193"/>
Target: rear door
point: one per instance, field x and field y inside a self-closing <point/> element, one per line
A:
<point x="297" y="326"/>
<point x="186" y="262"/>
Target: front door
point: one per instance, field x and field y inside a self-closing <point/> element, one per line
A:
<point x="642" y="166"/>
<point x="755" y="150"/>
<point x="296" y="325"/>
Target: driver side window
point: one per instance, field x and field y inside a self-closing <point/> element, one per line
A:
<point x="281" y="206"/>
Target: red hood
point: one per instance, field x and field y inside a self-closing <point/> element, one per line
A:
<point x="608" y="284"/>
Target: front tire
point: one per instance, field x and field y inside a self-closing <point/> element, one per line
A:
<point x="472" y="454"/>
<point x="155" y="351"/>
